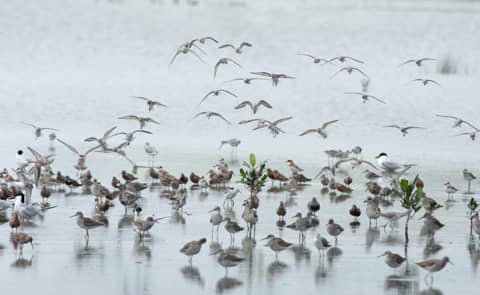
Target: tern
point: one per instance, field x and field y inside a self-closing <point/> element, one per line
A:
<point x="390" y="166"/>
<point x="217" y="92"/>
<point x="321" y="131"/>
<point x="38" y="130"/>
<point x="403" y="129"/>
<point x="141" y="120"/>
<point x="150" y="103"/>
<point x="253" y="106"/>
<point x="275" y="77"/>
<point x="365" y="96"/>
<point x="236" y="49"/>
<point x="418" y="61"/>
<point x="209" y="115"/>
<point x="224" y="61"/>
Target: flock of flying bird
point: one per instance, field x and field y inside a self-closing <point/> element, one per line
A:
<point x="35" y="175"/>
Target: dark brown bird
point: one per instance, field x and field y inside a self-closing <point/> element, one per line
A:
<point x="348" y="180"/>
<point x="14" y="222"/>
<point x="374" y="188"/>
<point x="45" y="193"/>
<point x="299" y="177"/>
<point x="355" y="212"/>
<point x="103" y="207"/>
<point x="324" y="180"/>
<point x="313" y="206"/>
<point x="281" y="211"/>
<point x="342" y="188"/>
<point x="153" y="174"/>
<point x="72" y="183"/>
<point x="194" y="178"/>
<point x="127" y="176"/>
<point x="115" y="182"/>
<point x="183" y="180"/>
<point x="419" y="183"/>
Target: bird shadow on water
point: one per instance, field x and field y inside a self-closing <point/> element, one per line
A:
<point x="21" y="262"/>
<point x="192" y="274"/>
<point x="226" y="284"/>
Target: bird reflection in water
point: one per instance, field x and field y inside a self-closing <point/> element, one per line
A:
<point x="177" y="218"/>
<point x="125" y="221"/>
<point x="324" y="190"/>
<point x="301" y="253"/>
<point x="371" y="236"/>
<point x="474" y="252"/>
<point x="321" y="272"/>
<point x="405" y="283"/>
<point x="226" y="284"/>
<point x="333" y="254"/>
<point x="276" y="268"/>
<point x="431" y="248"/>
<point x="192" y="274"/>
<point x="142" y="250"/>
<point x="248" y="244"/>
<point x="431" y="291"/>
<point x="22" y="262"/>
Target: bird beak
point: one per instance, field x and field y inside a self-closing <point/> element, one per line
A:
<point x="214" y="253"/>
<point x="211" y="211"/>
<point x="422" y="217"/>
<point x="451" y="262"/>
<point x="73" y="215"/>
<point x="264" y="238"/>
<point x="366" y="201"/>
<point x="381" y="255"/>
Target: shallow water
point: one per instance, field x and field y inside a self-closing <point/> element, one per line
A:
<point x="73" y="65"/>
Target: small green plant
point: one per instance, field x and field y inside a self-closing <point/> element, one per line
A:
<point x="410" y="199"/>
<point x="472" y="206"/>
<point x="253" y="176"/>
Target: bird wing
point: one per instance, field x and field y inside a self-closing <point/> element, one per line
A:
<point x="229" y="59"/>
<point x="141" y="97"/>
<point x="407" y="62"/>
<point x="281" y="120"/>
<point x="199" y="114"/>
<point x="354" y="59"/>
<point x="376" y="98"/>
<point x="328" y="123"/>
<point x="179" y="50"/>
<point x="357" y="93"/>
<point x="245" y="44"/>
<point x="68" y="146"/>
<point x="308" y="55"/>
<point x="360" y="71"/>
<point x="266" y="74"/>
<point x="427" y="59"/>
<point x="264" y="103"/>
<point x="413" y="127"/>
<point x="471" y="125"/>
<point x="216" y="68"/>
<point x="150" y="120"/>
<point x="34" y="153"/>
<point x="142" y="131"/>
<point x="308" y="131"/>
<point x="130" y="117"/>
<point x="207" y="95"/>
<point x="31" y="125"/>
<point x="368" y="163"/>
<point x="209" y="38"/>
<point x="194" y="53"/>
<point x="227" y="91"/>
<point x="243" y="104"/>
<point x="227" y="46"/>
<point x="157" y="103"/>
<point x="91" y="150"/>
<point x="447" y="116"/>
<point x="220" y="116"/>
<point x="106" y="135"/>
<point x="393" y="126"/>
<point x="337" y="72"/>
<point x="248" y="121"/>
<point x="91" y="222"/>
<point x="285" y="76"/>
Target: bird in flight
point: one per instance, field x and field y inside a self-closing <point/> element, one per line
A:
<point x="425" y="82"/>
<point x="237" y="49"/>
<point x="321" y="131"/>
<point x="150" y="102"/>
<point x="141" y="120"/>
<point x="209" y="115"/>
<point x="365" y="96"/>
<point x="343" y="59"/>
<point x="275" y="77"/>
<point x="418" y="61"/>
<point x="217" y="92"/>
<point x="403" y="129"/>
<point x="223" y="61"/>
<point x="350" y="70"/>
<point x="253" y="106"/>
<point x="316" y="60"/>
<point x="458" y="121"/>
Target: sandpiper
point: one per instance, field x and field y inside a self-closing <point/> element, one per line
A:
<point x="431" y="223"/>
<point x="192" y="248"/>
<point x="227" y="260"/>
<point x="321" y="244"/>
<point x="313" y="206"/>
<point x="433" y="265"/>
<point x="232" y="228"/>
<point x="334" y="229"/>
<point x="276" y="244"/>
<point x="469" y="177"/>
<point x="216" y="218"/>
<point x="355" y="212"/>
<point x="393" y="260"/>
<point x="281" y="211"/>
<point x="450" y="189"/>
<point x="86" y="223"/>
<point x="429" y="204"/>
<point x="19" y="239"/>
<point x="373" y="211"/>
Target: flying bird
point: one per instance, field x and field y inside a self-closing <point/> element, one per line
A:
<point x="458" y="121"/>
<point x="365" y="96"/>
<point x="185" y="50"/>
<point x="403" y="129"/>
<point x="253" y="106"/>
<point x="425" y="82"/>
<point x="217" y="92"/>
<point x="472" y="135"/>
<point x="350" y="70"/>
<point x="343" y="59"/>
<point x="141" y="120"/>
<point x="418" y="61"/>
<point x="38" y="130"/>
<point x="210" y="115"/>
<point x="272" y="126"/>
<point x="247" y="81"/>
<point x="223" y="61"/>
<point x="204" y="39"/>
<point x="316" y="60"/>
<point x="130" y="136"/>
<point x="102" y="141"/>
<point x="275" y="77"/>
<point x="237" y="49"/>
<point x="321" y="131"/>
<point x="150" y="103"/>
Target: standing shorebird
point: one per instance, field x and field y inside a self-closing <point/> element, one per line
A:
<point x="373" y="211"/>
<point x="450" y="189"/>
<point x="233" y="143"/>
<point x="232" y="228"/>
<point x="86" y="223"/>
<point x="469" y="177"/>
<point x="393" y="260"/>
<point x="355" y="212"/>
<point x="313" y="206"/>
<point x="276" y="244"/>
<point x="19" y="239"/>
<point x="142" y="226"/>
<point x="321" y="244"/>
<point x="227" y="260"/>
<point x="229" y="197"/>
<point x="431" y="223"/>
<point x="192" y="248"/>
<point x="216" y="218"/>
<point x="281" y="211"/>
<point x="334" y="229"/>
<point x="433" y="265"/>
